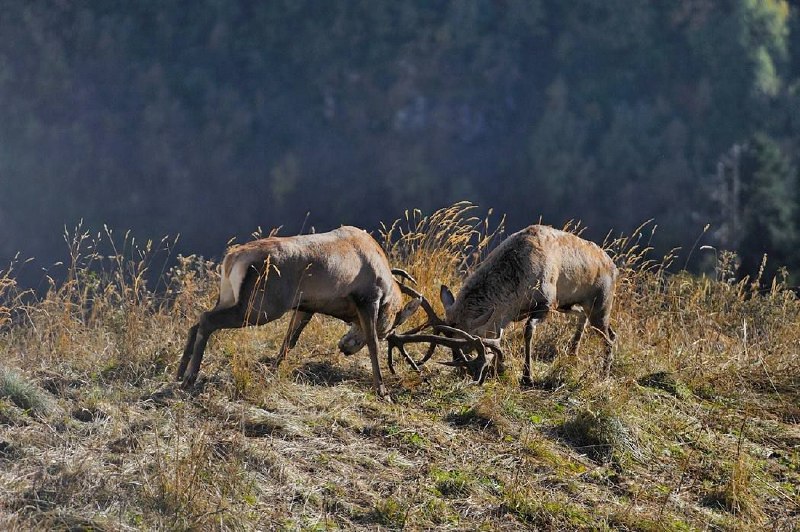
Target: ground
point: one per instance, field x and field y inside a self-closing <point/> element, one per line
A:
<point x="698" y="426"/>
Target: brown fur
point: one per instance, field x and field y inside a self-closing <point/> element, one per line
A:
<point x="343" y="273"/>
<point x="534" y="271"/>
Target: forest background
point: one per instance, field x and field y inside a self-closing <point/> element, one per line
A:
<point x="211" y="118"/>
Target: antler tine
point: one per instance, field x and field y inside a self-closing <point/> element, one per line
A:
<point x="456" y="332"/>
<point x="402" y="339"/>
<point x="466" y="342"/>
<point x="491" y="342"/>
<point x="433" y="319"/>
<point x="478" y="366"/>
<point x="428" y="355"/>
<point x="404" y="274"/>
<point x="481" y="364"/>
<point x="392" y="342"/>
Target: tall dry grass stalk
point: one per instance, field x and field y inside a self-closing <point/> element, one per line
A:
<point x="94" y="435"/>
<point x="712" y="331"/>
<point x="440" y="248"/>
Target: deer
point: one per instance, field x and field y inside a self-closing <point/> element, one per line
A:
<point x="343" y="273"/>
<point x="533" y="272"/>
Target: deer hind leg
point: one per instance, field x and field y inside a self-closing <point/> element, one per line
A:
<point x="213" y="320"/>
<point x="187" y="351"/>
<point x="298" y="322"/>
<point x="256" y="306"/>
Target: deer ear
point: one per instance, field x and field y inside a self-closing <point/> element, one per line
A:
<point x="408" y="311"/>
<point x="447" y="297"/>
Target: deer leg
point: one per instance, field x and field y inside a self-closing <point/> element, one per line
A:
<point x="368" y="316"/>
<point x="599" y="320"/>
<point x="296" y="325"/>
<point x="187" y="351"/>
<point x="530" y="327"/>
<point x="213" y="320"/>
<point x="538" y="313"/>
<point x="575" y="343"/>
<point x="610" y="338"/>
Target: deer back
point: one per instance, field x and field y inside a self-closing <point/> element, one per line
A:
<point x="536" y="266"/>
<point x="321" y="272"/>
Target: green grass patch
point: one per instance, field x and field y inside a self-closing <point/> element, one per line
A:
<point x="24" y="393"/>
<point x="452" y="483"/>
<point x="542" y="510"/>
<point x="602" y="435"/>
<point x="391" y="513"/>
<point x="664" y="380"/>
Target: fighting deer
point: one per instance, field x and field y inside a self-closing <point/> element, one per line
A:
<point x="343" y="273"/>
<point x="532" y="272"/>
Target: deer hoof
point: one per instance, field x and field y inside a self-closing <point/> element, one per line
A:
<point x="383" y="393"/>
<point x="188" y="381"/>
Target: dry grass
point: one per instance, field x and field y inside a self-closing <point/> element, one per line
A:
<point x="698" y="428"/>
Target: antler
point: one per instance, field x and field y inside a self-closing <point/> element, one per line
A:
<point x="459" y="341"/>
<point x="398" y="341"/>
<point x="404" y="274"/>
<point x="433" y="319"/>
<point x="478" y="367"/>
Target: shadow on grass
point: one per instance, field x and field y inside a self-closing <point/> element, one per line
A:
<point x="485" y="415"/>
<point x="328" y="374"/>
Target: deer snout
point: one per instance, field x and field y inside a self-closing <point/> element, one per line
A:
<point x="352" y="342"/>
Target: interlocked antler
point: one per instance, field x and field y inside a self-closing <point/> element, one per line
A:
<point x="433" y="320"/>
<point x="404" y="275"/>
<point x="457" y="340"/>
<point x="478" y="366"/>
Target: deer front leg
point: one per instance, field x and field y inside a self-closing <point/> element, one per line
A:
<point x="599" y="320"/>
<point x="368" y="316"/>
<point x="530" y="327"/>
<point x="610" y="338"/>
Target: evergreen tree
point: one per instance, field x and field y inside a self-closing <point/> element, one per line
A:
<point x="768" y="208"/>
<point x="151" y="115"/>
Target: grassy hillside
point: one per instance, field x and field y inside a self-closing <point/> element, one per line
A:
<point x="699" y="427"/>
